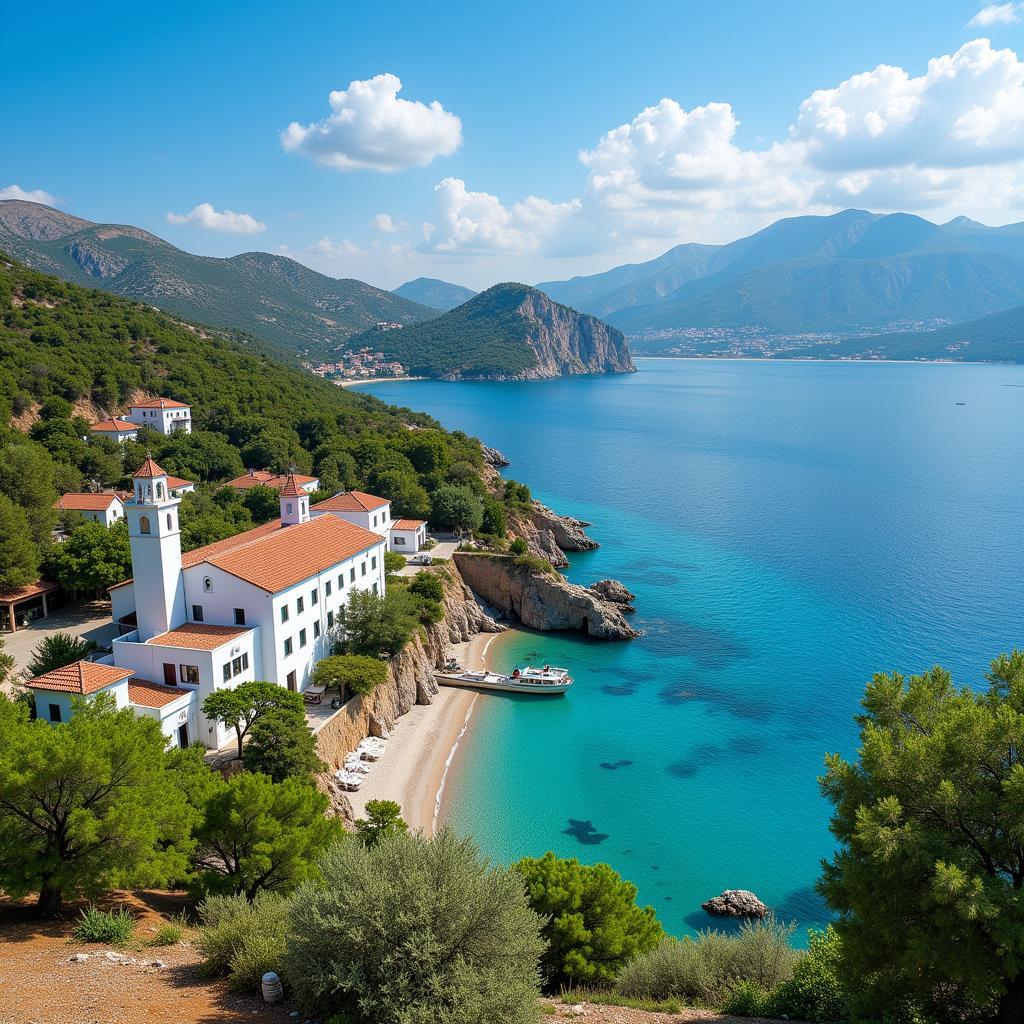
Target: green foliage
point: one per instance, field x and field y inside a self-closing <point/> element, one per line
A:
<point x="609" y="997"/>
<point x="745" y="1000"/>
<point x="594" y="925"/>
<point x="114" y="927"/>
<point x="456" y="507"/>
<point x="263" y="503"/>
<point x="495" y="518"/>
<point x="57" y="650"/>
<point x="240" y="708"/>
<point x="258" y="835"/>
<point x="7" y="663"/>
<point x="170" y="933"/>
<point x="709" y="968"/>
<point x="414" y="931"/>
<point x="93" y="558"/>
<point x="87" y="806"/>
<point x="534" y="563"/>
<point x="517" y="494"/>
<point x="926" y="878"/>
<point x="281" y="746"/>
<point x="241" y="938"/>
<point x="19" y="556"/>
<point x="27" y="478"/>
<point x="352" y="673"/>
<point x="816" y="992"/>
<point x="207" y="516"/>
<point x="427" y="585"/>
<point x="393" y="562"/>
<point x="377" y="626"/>
<point x="383" y="818"/>
<point x="518" y="547"/>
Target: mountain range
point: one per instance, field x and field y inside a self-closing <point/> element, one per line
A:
<point x="271" y="297"/>
<point x="509" y="332"/>
<point x="429" y="291"/>
<point x="852" y="272"/>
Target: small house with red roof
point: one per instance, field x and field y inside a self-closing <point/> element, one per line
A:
<point x="104" y="507"/>
<point x="406" y="536"/>
<point x="116" y="430"/>
<point x="164" y="415"/>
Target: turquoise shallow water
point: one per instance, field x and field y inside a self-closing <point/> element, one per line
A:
<point x="789" y="529"/>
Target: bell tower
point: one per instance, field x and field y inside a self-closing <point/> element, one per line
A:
<point x="294" y="502"/>
<point x="155" y="539"/>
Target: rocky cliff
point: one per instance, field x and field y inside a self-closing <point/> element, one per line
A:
<point x="540" y="599"/>
<point x="410" y="681"/>
<point x="549" y="535"/>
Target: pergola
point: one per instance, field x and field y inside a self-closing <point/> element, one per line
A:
<point x="11" y="600"/>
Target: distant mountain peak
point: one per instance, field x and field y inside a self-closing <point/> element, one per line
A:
<point x="429" y="291"/>
<point x="36" y="222"/>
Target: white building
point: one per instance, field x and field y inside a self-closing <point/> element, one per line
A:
<point x="116" y="430"/>
<point x="163" y="415"/>
<point x="260" y="605"/>
<point x="407" y="536"/>
<point x="102" y="508"/>
<point x="177" y="486"/>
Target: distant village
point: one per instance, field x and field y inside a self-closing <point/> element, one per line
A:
<point x="363" y="364"/>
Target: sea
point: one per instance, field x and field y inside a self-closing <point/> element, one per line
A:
<point x="789" y="529"/>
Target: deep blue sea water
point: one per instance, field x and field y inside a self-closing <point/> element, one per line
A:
<point x="789" y="529"/>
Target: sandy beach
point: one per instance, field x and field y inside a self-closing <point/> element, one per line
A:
<point x="423" y="749"/>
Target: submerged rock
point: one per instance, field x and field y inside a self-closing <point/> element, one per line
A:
<point x="736" y="903"/>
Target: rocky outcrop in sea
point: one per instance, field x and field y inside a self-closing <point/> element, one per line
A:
<point x="549" y="535"/>
<point x="736" y="903"/>
<point x="614" y="591"/>
<point x="541" y="599"/>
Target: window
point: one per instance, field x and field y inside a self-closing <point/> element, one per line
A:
<point x="170" y="522"/>
<point x="190" y="673"/>
<point x="316" y="630"/>
<point x="54" y="712"/>
<point x="313" y="597"/>
<point x="245" y="660"/>
<point x="284" y="613"/>
<point x="374" y="520"/>
<point x="302" y="638"/>
<point x="236" y="666"/>
<point x="330" y="620"/>
<point x="287" y="646"/>
<point x="239" y="616"/>
<point x="399" y="541"/>
<point x="373" y="562"/>
<point x="341" y="581"/>
<point x="352" y="574"/>
<point x="197" y="613"/>
<point x="300" y="605"/>
<point x="362" y="569"/>
<point x="375" y="588"/>
<point x="327" y="589"/>
<point x="288" y="506"/>
<point x="143" y="524"/>
<point x="227" y="671"/>
<point x="160" y="490"/>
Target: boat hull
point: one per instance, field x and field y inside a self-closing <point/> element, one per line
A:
<point x="503" y="684"/>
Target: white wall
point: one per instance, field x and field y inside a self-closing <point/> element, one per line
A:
<point x="412" y="540"/>
<point x="378" y="521"/>
<point x="166" y="421"/>
<point x="183" y="711"/>
<point x="63" y="699"/>
<point x="122" y="601"/>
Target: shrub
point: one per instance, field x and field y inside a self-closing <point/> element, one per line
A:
<point x="745" y="1000"/>
<point x="241" y="939"/>
<point x="413" y="931"/>
<point x="168" y="934"/>
<point x="282" y="747"/>
<point x="534" y="564"/>
<point x="114" y="927"/>
<point x="518" y="546"/>
<point x="393" y="562"/>
<point x="594" y="926"/>
<point x="814" y="993"/>
<point x="709" y="968"/>
<point x="427" y="585"/>
<point x="354" y="673"/>
<point x="383" y="818"/>
<point x="57" y="650"/>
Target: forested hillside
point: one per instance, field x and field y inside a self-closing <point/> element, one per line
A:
<point x="65" y="350"/>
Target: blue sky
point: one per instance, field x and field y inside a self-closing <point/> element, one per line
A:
<point x="566" y="137"/>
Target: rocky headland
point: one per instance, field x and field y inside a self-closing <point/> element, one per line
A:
<point x="541" y="599"/>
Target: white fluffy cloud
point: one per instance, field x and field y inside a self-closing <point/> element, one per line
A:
<point x="36" y="195"/>
<point x="329" y="250"/>
<point x="370" y="127"/>
<point x="205" y="216"/>
<point x="467" y="221"/>
<point x="387" y="224"/>
<point x="996" y="14"/>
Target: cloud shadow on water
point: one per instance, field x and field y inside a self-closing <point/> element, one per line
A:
<point x="614" y="766"/>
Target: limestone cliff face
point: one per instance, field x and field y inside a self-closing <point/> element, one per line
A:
<point x="549" y="535"/>
<point x="410" y="681"/>
<point x="542" y="600"/>
<point x="568" y="342"/>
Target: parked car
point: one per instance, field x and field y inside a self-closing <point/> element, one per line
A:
<point x="423" y="559"/>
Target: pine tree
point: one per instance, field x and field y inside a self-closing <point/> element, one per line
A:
<point x="19" y="556"/>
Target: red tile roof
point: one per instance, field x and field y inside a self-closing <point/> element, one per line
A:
<point x="258" y="477"/>
<point x="291" y="489"/>
<point x="174" y="482"/>
<point x="161" y="403"/>
<point x="82" y="677"/>
<point x="351" y="501"/>
<point x="32" y="590"/>
<point x="112" y="426"/>
<point x="154" y="695"/>
<point x="280" y="558"/>
<point x="149" y="469"/>
<point x="86" y="502"/>
<point x="198" y="636"/>
<point x="408" y="524"/>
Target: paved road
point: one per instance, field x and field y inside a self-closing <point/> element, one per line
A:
<point x="84" y="620"/>
<point x="444" y="548"/>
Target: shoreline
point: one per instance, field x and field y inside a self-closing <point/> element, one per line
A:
<point x="420" y="766"/>
<point x="374" y="380"/>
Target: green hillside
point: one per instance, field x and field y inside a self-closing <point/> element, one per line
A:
<point x="270" y="297"/>
<point x="429" y="291"/>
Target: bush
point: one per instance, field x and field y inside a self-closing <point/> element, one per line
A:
<point x="282" y="747"/>
<point x="427" y="585"/>
<point x="354" y="673"/>
<point x="393" y="562"/>
<point x="414" y="931"/>
<point x="383" y="818"/>
<point x="534" y="564"/>
<point x="814" y="993"/>
<point x="594" y="926"/>
<point x="518" y="546"/>
<point x="241" y="939"/>
<point x="115" y="927"/>
<point x="709" y="968"/>
<point x="168" y="934"/>
<point x="745" y="1000"/>
<point x="58" y="650"/>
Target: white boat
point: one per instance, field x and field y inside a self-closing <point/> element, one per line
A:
<point x="527" y="679"/>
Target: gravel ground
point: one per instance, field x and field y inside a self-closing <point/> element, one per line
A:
<point x="594" y="1013"/>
